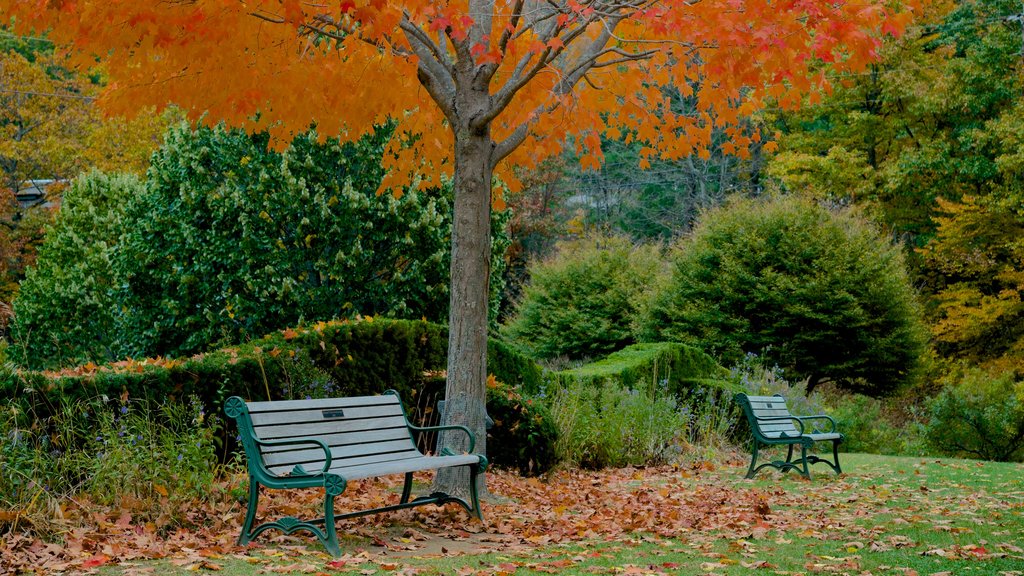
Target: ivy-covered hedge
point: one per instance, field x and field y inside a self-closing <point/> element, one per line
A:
<point x="676" y="367"/>
<point x="355" y="357"/>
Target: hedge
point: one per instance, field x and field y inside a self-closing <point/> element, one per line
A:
<point x="679" y="368"/>
<point x="345" y="358"/>
<point x="363" y="356"/>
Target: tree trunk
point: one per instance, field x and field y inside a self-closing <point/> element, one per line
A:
<point x="466" y="390"/>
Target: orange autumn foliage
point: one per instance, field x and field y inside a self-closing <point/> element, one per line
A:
<point x="282" y="64"/>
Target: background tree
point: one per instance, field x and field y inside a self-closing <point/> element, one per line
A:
<point x="50" y="128"/>
<point x="905" y="132"/>
<point x="228" y="240"/>
<point x="585" y="300"/>
<point x="821" y="294"/>
<point x="66" y="310"/>
<point x="508" y="81"/>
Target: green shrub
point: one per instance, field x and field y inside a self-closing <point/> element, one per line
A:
<point x="585" y="300"/>
<point x="869" y="427"/>
<point x="677" y="367"/>
<point x="979" y="415"/>
<point x="611" y="426"/>
<point x="512" y="366"/>
<point x="823" y="295"/>
<point x="360" y="357"/>
<point x="229" y="240"/>
<point x="65" y="310"/>
<point x="523" y="436"/>
<point x="145" y="457"/>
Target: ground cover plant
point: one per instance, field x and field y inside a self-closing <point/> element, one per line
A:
<point x="886" y="515"/>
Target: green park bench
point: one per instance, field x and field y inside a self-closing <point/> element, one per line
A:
<point x="771" y="424"/>
<point x="327" y="443"/>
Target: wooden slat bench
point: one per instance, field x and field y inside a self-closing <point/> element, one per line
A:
<point x="327" y="443"/>
<point x="772" y="424"/>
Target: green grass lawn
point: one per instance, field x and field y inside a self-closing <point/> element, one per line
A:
<point x="886" y="515"/>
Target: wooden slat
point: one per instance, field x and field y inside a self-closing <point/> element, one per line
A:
<point x="281" y="405"/>
<point x="318" y="429"/>
<point x="824" y="436"/>
<point x="350" y="462"/>
<point x="402" y="466"/>
<point x="350" y="438"/>
<point x="339" y="453"/>
<point x="331" y="414"/>
<point x="780" y="426"/>
<point x="769" y="412"/>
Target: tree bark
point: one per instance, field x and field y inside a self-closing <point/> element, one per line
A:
<point x="466" y="389"/>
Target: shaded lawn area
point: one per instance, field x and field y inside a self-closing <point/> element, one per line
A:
<point x="886" y="515"/>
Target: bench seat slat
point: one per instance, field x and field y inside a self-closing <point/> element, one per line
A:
<point x="338" y="453"/>
<point x="348" y="438"/>
<point x="314" y="465"/>
<point x="325" y="414"/>
<point x="403" y="466"/>
<point x="318" y="429"/>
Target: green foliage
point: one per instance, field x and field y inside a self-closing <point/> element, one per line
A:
<point x="872" y="427"/>
<point x="611" y="426"/>
<point x="638" y="405"/>
<point x="979" y="415"/>
<point x="584" y="300"/>
<point x="906" y="134"/>
<point x="512" y="366"/>
<point x="340" y="358"/>
<point x="524" y="434"/>
<point x="65" y="309"/>
<point x="230" y="240"/>
<point x="823" y="295"/>
<point x="675" y="367"/>
<point x="360" y="358"/>
<point x="233" y="239"/>
<point x="141" y="451"/>
<point x="146" y="457"/>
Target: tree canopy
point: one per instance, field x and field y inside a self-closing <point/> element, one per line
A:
<point x="478" y="88"/>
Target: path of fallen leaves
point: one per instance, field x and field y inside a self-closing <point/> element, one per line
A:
<point x="692" y="505"/>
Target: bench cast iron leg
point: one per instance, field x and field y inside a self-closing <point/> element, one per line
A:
<point x="476" y="511"/>
<point x="835" y="455"/>
<point x="330" y="532"/>
<point x="407" y="490"/>
<point x="753" y="462"/>
<point x="803" y="459"/>
<point x="789" y="455"/>
<point x="250" y="513"/>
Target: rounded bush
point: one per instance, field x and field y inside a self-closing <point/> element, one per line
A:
<point x="822" y="294"/>
<point x="586" y="299"/>
<point x="979" y="416"/>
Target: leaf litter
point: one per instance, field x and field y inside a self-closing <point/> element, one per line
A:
<point x="695" y="508"/>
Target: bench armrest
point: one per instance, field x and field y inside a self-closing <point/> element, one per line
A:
<point x="820" y="417"/>
<point x="314" y="441"/>
<point x="783" y="419"/>
<point x="472" y="438"/>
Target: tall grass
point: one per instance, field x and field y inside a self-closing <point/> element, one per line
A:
<point x="138" y="455"/>
<point x="611" y="426"/>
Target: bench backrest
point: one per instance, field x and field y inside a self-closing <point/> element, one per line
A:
<point x="358" y="430"/>
<point x="757" y="408"/>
